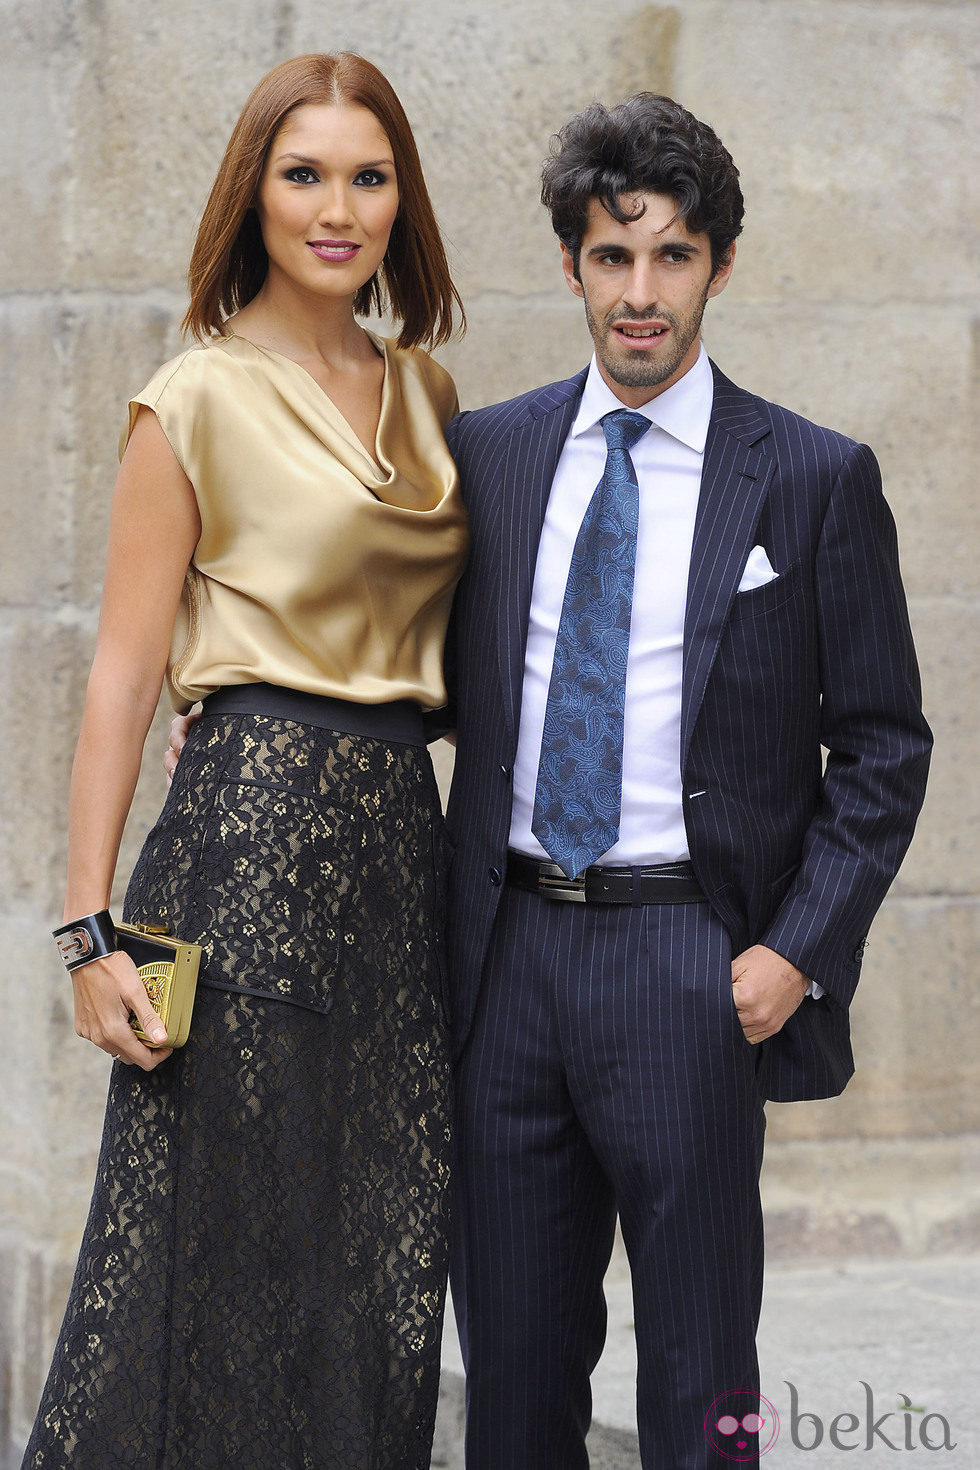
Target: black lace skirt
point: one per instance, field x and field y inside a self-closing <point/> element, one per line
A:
<point x="261" y="1280"/>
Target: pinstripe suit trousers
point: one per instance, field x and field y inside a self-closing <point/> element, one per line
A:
<point x="606" y="1072"/>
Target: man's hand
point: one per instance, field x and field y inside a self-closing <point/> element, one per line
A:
<point x="180" y="728"/>
<point x="767" y="990"/>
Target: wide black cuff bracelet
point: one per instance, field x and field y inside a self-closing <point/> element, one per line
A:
<point x="85" y="940"/>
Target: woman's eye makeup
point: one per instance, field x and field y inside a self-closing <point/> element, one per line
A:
<point x="301" y="173"/>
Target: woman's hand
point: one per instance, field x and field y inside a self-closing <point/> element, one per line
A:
<point x="107" y="991"/>
<point x="180" y="728"/>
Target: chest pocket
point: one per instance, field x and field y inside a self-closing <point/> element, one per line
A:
<point x="760" y="601"/>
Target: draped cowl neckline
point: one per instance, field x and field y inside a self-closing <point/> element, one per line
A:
<point x="384" y="472"/>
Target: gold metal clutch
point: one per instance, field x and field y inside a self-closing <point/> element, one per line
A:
<point x="168" y="968"/>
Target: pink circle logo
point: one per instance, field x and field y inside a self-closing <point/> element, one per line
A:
<point x="740" y="1425"/>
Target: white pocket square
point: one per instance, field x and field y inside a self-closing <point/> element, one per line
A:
<point x="757" y="570"/>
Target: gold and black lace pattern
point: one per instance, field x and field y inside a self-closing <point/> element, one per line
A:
<point x="261" y="1280"/>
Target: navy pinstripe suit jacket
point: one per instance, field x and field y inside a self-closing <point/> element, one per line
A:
<point x="790" y="854"/>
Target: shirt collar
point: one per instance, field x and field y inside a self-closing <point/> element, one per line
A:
<point x="683" y="410"/>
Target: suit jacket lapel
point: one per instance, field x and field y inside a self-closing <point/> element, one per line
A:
<point x="734" y="482"/>
<point x="529" y="465"/>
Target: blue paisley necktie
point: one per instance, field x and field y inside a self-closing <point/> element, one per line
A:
<point x="580" y="775"/>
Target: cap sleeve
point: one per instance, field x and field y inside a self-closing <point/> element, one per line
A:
<point x="169" y="394"/>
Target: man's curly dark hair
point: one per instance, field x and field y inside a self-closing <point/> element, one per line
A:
<point x="647" y="144"/>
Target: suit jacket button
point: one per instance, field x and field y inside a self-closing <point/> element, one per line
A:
<point x="495" y="877"/>
<point x="505" y="771"/>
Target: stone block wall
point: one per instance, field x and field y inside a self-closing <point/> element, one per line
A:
<point x="853" y="301"/>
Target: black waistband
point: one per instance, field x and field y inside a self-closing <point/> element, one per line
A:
<point x="661" y="883"/>
<point x="400" y="720"/>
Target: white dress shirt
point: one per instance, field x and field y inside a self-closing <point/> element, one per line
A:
<point x="668" y="461"/>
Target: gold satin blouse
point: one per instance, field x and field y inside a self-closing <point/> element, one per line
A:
<point x="317" y="568"/>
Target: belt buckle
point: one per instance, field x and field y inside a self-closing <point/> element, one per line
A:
<point x="557" y="885"/>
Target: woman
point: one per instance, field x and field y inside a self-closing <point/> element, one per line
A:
<point x="261" y="1279"/>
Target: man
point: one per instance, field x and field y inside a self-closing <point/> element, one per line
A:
<point x="678" y="594"/>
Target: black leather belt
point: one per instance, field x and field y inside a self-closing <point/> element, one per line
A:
<point x="663" y="883"/>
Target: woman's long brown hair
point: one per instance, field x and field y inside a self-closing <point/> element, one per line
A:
<point x="229" y="261"/>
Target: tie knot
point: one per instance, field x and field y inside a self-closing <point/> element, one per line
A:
<point x="622" y="428"/>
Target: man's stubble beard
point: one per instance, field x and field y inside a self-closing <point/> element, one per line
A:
<point x="642" y="371"/>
